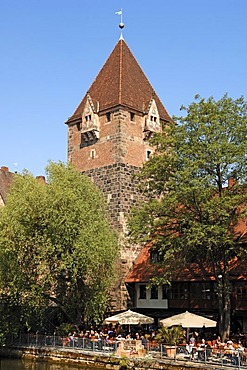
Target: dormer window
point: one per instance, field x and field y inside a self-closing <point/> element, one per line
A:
<point x="89" y="125"/>
<point x="155" y="256"/>
<point x="152" y="121"/>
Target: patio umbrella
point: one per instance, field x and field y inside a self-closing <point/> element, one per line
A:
<point x="189" y="320"/>
<point x="129" y="318"/>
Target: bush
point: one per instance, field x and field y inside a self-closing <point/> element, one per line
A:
<point x="171" y="335"/>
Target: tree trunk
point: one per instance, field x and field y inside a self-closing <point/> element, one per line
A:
<point x="224" y="297"/>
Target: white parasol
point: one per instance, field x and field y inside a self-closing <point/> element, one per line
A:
<point x="189" y="320"/>
<point x="129" y="318"/>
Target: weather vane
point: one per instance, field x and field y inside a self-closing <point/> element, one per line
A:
<point x="121" y="24"/>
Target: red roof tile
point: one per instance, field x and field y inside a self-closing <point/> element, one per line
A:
<point x="143" y="270"/>
<point x="121" y="81"/>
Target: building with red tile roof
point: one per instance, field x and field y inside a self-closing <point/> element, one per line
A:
<point x="191" y="287"/>
<point x="108" y="140"/>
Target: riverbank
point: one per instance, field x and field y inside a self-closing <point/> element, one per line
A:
<point x="101" y="360"/>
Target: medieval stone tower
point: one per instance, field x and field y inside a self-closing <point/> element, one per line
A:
<point x="108" y="140"/>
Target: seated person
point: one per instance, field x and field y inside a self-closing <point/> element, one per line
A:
<point x="202" y="350"/>
<point x="218" y="341"/>
<point x="193" y="340"/>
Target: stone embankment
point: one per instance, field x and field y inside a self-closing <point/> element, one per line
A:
<point x="100" y="360"/>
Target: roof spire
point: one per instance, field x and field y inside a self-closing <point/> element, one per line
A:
<point x="121" y="24"/>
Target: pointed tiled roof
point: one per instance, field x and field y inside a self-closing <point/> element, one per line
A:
<point x="121" y="81"/>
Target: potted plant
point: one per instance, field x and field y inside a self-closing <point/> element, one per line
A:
<point x="170" y="337"/>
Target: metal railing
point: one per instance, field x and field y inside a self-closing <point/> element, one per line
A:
<point x="235" y="358"/>
<point x="38" y="340"/>
<point x="214" y="356"/>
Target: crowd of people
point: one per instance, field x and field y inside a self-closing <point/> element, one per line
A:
<point x="233" y="350"/>
<point x="111" y="334"/>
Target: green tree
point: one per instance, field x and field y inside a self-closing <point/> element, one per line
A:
<point x="192" y="215"/>
<point x="56" y="246"/>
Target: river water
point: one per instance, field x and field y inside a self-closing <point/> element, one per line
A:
<point x="9" y="364"/>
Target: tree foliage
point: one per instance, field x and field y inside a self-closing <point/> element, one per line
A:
<point x="56" y="246"/>
<point x="193" y="213"/>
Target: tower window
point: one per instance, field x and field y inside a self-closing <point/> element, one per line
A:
<point x="93" y="154"/>
<point x="148" y="154"/>
<point x="108" y="117"/>
<point x="88" y="118"/>
<point x="153" y="118"/>
<point x="132" y="117"/>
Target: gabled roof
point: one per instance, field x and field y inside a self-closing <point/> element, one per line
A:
<point x="5" y="182"/>
<point x="121" y="82"/>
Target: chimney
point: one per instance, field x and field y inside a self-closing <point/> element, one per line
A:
<point x="41" y="179"/>
<point x="4" y="168"/>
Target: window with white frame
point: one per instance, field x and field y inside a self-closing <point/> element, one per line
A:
<point x="154" y="292"/>
<point x="142" y="291"/>
<point x="88" y="118"/>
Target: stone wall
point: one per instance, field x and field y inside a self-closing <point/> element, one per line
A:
<point x="99" y="360"/>
<point x="120" y="188"/>
<point x="119" y="185"/>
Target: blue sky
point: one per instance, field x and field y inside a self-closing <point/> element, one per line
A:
<point x="51" y="51"/>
